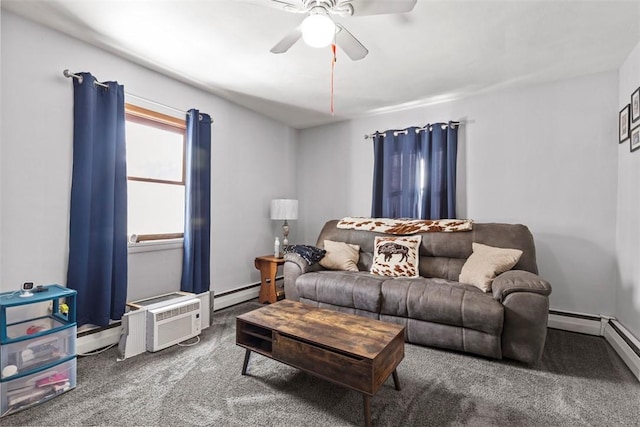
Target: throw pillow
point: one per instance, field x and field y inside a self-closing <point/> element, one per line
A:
<point x="340" y="256"/>
<point x="485" y="263"/>
<point x="396" y="256"/>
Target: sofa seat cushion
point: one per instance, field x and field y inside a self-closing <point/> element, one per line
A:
<point x="359" y="290"/>
<point x="444" y="302"/>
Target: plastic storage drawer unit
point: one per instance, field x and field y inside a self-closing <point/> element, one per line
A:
<point x="37" y="355"/>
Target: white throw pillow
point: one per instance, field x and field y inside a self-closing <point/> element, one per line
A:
<point x="485" y="263"/>
<point x="340" y="256"/>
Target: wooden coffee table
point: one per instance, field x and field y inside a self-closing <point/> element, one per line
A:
<point x="352" y="351"/>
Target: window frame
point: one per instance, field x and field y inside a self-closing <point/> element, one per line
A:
<point x="167" y="123"/>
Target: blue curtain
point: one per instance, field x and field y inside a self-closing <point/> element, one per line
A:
<point x="414" y="172"/>
<point x="197" y="230"/>
<point x="98" y="219"/>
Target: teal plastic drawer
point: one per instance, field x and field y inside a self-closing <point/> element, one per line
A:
<point x="22" y="393"/>
<point x="20" y="358"/>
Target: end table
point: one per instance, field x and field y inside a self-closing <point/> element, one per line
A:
<point x="268" y="266"/>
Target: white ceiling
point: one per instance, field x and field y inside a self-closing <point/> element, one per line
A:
<point x="441" y="50"/>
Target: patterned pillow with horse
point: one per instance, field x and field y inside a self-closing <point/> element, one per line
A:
<point x="396" y="256"/>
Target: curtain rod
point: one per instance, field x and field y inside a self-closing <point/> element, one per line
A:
<point x="68" y="74"/>
<point x="405" y="131"/>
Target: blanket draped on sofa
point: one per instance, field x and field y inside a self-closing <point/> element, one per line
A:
<point x="405" y="226"/>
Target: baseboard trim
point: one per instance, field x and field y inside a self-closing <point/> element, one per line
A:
<point x="625" y="344"/>
<point x="236" y="297"/>
<point x="94" y="330"/>
<point x="620" y="339"/>
<point x="576" y="322"/>
<point x="94" y="340"/>
<point x="631" y="341"/>
<point x="575" y="315"/>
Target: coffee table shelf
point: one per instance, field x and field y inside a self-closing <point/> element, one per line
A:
<point x="256" y="338"/>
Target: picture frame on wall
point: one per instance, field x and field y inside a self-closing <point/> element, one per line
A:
<point x="635" y="105"/>
<point x="634" y="141"/>
<point x="623" y="124"/>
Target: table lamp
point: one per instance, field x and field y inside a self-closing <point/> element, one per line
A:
<point x="284" y="209"/>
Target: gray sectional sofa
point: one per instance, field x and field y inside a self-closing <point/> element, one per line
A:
<point x="509" y="321"/>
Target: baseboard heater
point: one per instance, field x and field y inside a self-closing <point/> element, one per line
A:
<point x="625" y="344"/>
<point x="238" y="296"/>
<point x="94" y="339"/>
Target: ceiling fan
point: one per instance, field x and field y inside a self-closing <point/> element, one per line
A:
<point x="318" y="29"/>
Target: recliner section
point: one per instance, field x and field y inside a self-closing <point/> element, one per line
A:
<point x="456" y="309"/>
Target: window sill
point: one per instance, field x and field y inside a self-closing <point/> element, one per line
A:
<point x="155" y="245"/>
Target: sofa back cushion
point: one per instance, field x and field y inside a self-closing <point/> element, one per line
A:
<point x="443" y="254"/>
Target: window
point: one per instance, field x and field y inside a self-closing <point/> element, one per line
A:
<point x="414" y="172"/>
<point x="155" y="173"/>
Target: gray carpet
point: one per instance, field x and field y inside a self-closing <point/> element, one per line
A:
<point x="579" y="382"/>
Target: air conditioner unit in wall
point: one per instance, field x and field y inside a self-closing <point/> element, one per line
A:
<point x="173" y="323"/>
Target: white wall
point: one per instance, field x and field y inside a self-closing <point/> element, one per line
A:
<point x="628" y="224"/>
<point x="544" y="156"/>
<point x="252" y="162"/>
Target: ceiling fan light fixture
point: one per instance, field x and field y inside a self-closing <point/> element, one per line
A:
<point x="318" y="30"/>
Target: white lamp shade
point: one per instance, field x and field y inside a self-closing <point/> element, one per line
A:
<point x="284" y="209"/>
<point x="318" y="30"/>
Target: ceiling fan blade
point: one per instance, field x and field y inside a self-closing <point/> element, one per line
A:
<point x="295" y="6"/>
<point x="380" y="7"/>
<point x="289" y="40"/>
<point x="290" y="6"/>
<point x="351" y="46"/>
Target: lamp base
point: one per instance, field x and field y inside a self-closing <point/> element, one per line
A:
<point x="285" y="233"/>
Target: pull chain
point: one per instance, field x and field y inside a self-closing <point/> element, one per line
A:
<point x="333" y="66"/>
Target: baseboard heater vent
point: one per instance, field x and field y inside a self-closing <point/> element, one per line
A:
<point x="92" y="339"/>
<point x="625" y="344"/>
<point x="635" y="348"/>
<point x="575" y="315"/>
<point x="577" y="322"/>
<point x="98" y="329"/>
<point x="236" y="296"/>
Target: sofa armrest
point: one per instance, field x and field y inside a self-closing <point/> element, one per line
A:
<point x="524" y="296"/>
<point x="300" y="262"/>
<point x="294" y="266"/>
<point x="518" y="281"/>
